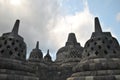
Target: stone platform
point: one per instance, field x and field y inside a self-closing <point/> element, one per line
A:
<point x="11" y="69"/>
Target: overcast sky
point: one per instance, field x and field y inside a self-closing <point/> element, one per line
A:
<point x="50" y="21"/>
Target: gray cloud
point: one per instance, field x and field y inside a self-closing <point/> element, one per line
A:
<point x="34" y="16"/>
<point x="41" y="20"/>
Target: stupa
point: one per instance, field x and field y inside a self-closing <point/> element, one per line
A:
<point x="13" y="65"/>
<point x="36" y="54"/>
<point x="100" y="57"/>
<point x="71" y="51"/>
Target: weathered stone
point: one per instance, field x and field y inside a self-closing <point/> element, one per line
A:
<point x="98" y="60"/>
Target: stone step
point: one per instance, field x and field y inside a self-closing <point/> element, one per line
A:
<point x="6" y="71"/>
<point x="96" y="73"/>
<point x="107" y="77"/>
<point x="16" y="77"/>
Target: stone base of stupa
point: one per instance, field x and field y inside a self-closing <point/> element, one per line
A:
<point x="97" y="69"/>
<point x="11" y="69"/>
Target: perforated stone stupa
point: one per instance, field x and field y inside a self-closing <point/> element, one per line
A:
<point x="100" y="57"/>
<point x="12" y="44"/>
<point x="72" y="50"/>
<point x="13" y="64"/>
<point x="48" y="57"/>
<point x="36" y="54"/>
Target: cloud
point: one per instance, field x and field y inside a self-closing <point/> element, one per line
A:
<point x="34" y="16"/>
<point x="41" y="20"/>
<point x="118" y="17"/>
<point x="81" y="23"/>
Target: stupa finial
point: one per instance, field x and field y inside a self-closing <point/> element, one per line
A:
<point x="37" y="45"/>
<point x="16" y="27"/>
<point x="72" y="38"/>
<point x="97" y="25"/>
